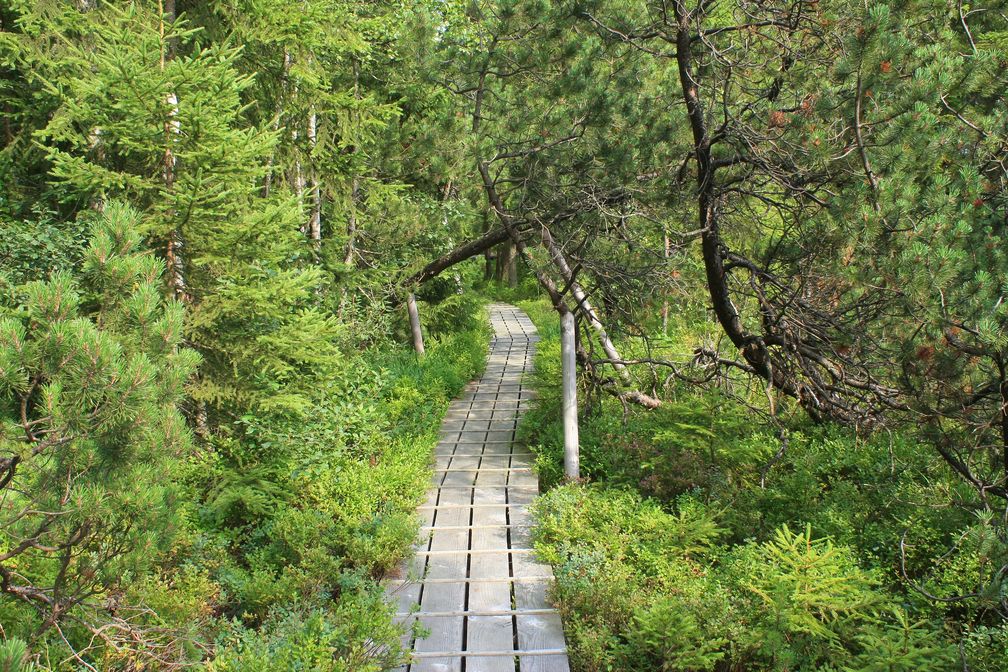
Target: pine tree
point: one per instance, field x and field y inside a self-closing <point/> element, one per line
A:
<point x="91" y="376"/>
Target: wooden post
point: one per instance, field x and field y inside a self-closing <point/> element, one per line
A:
<point x="414" y="323"/>
<point x="572" y="460"/>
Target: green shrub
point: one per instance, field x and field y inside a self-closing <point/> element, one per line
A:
<point x="354" y="634"/>
<point x="899" y="644"/>
<point x="985" y="649"/>
<point x="664" y="636"/>
<point x="92" y="371"/>
<point x="645" y="588"/>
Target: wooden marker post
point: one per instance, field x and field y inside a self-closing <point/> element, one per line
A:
<point x="414" y="323"/>
<point x="572" y="459"/>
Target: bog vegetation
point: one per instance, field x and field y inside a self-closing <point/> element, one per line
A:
<point x="780" y="226"/>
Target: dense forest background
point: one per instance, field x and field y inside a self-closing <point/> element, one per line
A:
<point x="780" y="225"/>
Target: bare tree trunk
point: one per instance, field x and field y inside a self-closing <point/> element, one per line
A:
<point x="506" y="269"/>
<point x="459" y="254"/>
<point x="501" y="259"/>
<point x="556" y="298"/>
<point x="666" y="253"/>
<point x="489" y="258"/>
<point x="560" y="261"/>
<point x="315" y="193"/>
<point x="172" y="129"/>
<point x="572" y="458"/>
<point x="512" y="264"/>
<point x="414" y="320"/>
<point x="488" y="253"/>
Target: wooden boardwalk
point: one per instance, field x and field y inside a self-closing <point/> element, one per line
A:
<point x="474" y="582"/>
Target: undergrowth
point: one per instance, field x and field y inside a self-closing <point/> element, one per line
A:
<point x="700" y="540"/>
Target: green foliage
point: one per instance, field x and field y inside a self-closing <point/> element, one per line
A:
<point x="643" y="588"/>
<point x="805" y="603"/>
<point x="300" y="506"/>
<point x="340" y="639"/>
<point x="708" y="574"/>
<point x="902" y="645"/>
<point x="985" y="648"/>
<point x="665" y="637"/>
<point x="292" y="161"/>
<point x="14" y="656"/>
<point x="34" y="246"/>
<point x="92" y="373"/>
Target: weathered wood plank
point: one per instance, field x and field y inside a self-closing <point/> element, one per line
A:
<point x="446" y="635"/>
<point x="490" y="633"/>
<point x="541" y="632"/>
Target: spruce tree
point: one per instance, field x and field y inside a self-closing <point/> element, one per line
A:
<point x="124" y="110"/>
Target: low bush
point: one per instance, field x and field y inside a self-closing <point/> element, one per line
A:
<point x="701" y="540"/>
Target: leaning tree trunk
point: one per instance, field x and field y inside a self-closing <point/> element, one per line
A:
<point x="560" y="261"/>
<point x="556" y="297"/>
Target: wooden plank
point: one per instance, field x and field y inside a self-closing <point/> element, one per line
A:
<point x="486" y="634"/>
<point x="448" y="565"/>
<point x="541" y="631"/>
<point x="525" y="564"/>
<point x="496" y="595"/>
<point x="445" y="635"/>
<point x="493" y="461"/>
<point x="532" y="595"/>
<point x="455" y="495"/>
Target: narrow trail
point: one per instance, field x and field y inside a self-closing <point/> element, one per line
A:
<point x="479" y="589"/>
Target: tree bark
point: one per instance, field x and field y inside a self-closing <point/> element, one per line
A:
<point x="459" y="254"/>
<point x="560" y="261"/>
<point x="414" y="320"/>
<point x="512" y="264"/>
<point x="572" y="458"/>
<point x="314" y="191"/>
<point x="556" y="297"/>
<point x="172" y="129"/>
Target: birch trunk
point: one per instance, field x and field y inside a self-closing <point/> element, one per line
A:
<point x="172" y="129"/>
<point x="572" y="458"/>
<point x="315" y="193"/>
